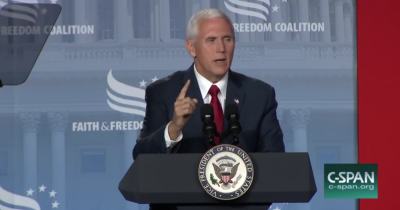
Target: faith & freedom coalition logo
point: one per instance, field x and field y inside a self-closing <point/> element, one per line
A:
<point x="226" y="172"/>
<point x="12" y="201"/>
<point x="30" y="10"/>
<point x="351" y="181"/>
<point x="125" y="99"/>
<point x="272" y="20"/>
<point x="131" y="98"/>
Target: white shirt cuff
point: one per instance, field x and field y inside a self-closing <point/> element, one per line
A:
<point x="168" y="141"/>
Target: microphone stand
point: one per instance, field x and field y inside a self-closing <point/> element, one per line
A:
<point x="211" y="139"/>
<point x="235" y="138"/>
<point x="210" y="136"/>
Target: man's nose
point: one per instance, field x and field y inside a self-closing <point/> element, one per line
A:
<point x="220" y="46"/>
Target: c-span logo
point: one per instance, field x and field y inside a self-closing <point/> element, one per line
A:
<point x="351" y="181"/>
<point x="226" y="172"/>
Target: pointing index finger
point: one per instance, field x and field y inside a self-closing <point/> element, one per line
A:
<point x="182" y="94"/>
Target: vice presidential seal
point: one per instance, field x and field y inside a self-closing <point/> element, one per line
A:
<point x="226" y="172"/>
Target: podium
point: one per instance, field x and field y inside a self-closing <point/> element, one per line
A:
<point x="173" y="179"/>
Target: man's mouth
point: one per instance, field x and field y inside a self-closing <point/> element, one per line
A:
<point x="220" y="60"/>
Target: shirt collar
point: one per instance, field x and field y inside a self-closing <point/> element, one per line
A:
<point x="205" y="85"/>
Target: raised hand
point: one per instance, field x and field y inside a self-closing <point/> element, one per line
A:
<point x="184" y="107"/>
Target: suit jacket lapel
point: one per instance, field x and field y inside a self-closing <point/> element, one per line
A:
<point x="234" y="95"/>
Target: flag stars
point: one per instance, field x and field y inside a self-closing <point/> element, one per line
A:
<point x="30" y="192"/>
<point x="55" y="204"/>
<point x="44" y="11"/>
<point x="142" y="83"/>
<point x="52" y="193"/>
<point x="275" y="8"/>
<point x="42" y="188"/>
<point x="276" y="207"/>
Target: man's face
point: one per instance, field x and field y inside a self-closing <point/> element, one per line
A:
<point x="213" y="47"/>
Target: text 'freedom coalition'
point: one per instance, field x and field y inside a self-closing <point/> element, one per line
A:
<point x="53" y="30"/>
<point x="279" y="27"/>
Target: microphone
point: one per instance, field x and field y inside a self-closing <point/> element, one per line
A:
<point x="232" y="116"/>
<point x="209" y="127"/>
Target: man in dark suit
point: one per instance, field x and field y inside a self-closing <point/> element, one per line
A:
<point x="173" y="124"/>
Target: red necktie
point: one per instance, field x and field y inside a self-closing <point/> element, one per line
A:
<point x="218" y="113"/>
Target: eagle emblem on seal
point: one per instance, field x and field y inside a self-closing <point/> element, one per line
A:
<point x="225" y="170"/>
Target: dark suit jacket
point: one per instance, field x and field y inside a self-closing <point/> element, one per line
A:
<point x="261" y="131"/>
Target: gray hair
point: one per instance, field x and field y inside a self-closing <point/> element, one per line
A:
<point x="192" y="27"/>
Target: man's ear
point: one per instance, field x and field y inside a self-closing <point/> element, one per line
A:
<point x="190" y="47"/>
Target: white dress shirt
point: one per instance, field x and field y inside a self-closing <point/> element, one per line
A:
<point x="204" y="86"/>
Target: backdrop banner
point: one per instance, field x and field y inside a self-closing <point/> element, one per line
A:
<point x="67" y="133"/>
